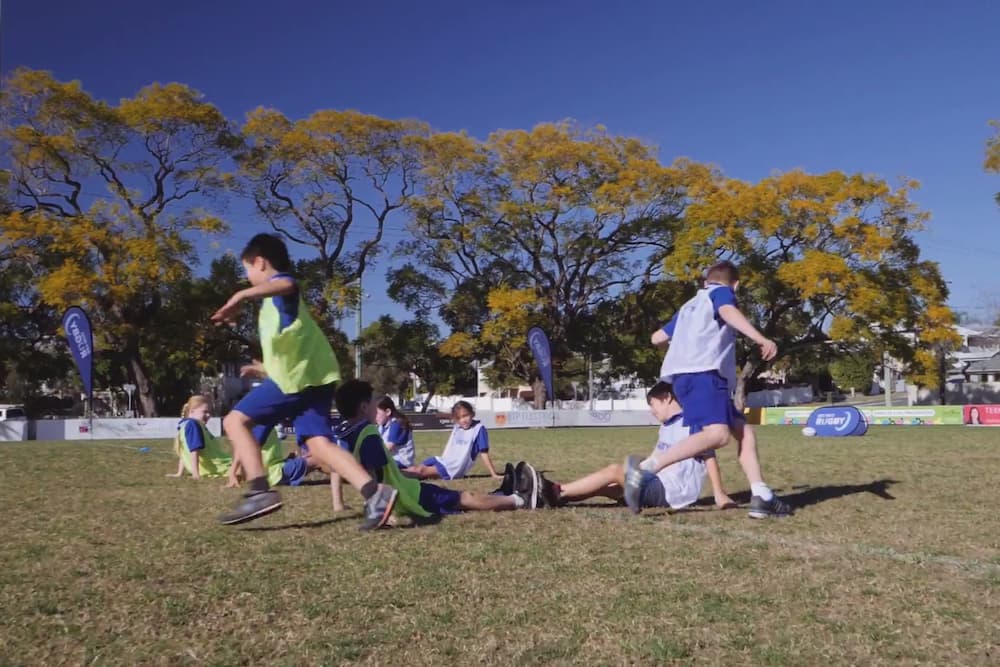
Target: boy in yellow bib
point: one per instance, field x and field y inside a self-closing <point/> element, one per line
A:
<point x="300" y="374"/>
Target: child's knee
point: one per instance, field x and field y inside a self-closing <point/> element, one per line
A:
<point x="717" y="435"/>
<point x="236" y="420"/>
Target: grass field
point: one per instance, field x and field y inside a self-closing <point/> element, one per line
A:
<point x="892" y="558"/>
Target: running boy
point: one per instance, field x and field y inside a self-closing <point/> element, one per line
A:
<point x="701" y="364"/>
<point x="300" y="373"/>
<point x="420" y="500"/>
<point x="676" y="486"/>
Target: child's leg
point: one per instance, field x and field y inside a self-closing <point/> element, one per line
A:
<point x="486" y="503"/>
<point x="605" y="482"/>
<point x="712" y="436"/>
<point x="246" y="450"/>
<point x="763" y="502"/>
<point x="421" y="471"/>
<point x="338" y="461"/>
<point x="747" y="448"/>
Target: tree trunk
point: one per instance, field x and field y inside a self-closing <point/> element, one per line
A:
<point x="145" y="392"/>
<point x="740" y="395"/>
<point x="430" y="394"/>
<point x="538" y="390"/>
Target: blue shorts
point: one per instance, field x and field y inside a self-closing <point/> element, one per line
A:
<point x="705" y="400"/>
<point x="309" y="409"/>
<point x="653" y="494"/>
<point x="293" y="471"/>
<point x="436" y="462"/>
<point x="439" y="500"/>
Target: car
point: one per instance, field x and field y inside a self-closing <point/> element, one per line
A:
<point x="12" y="413"/>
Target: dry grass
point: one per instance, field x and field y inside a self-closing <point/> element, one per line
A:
<point x="892" y="559"/>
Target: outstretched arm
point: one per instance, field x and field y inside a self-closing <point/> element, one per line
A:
<point x="276" y="287"/>
<point x="180" y="469"/>
<point x="489" y="465"/>
<point x="722" y="499"/>
<point x="737" y="320"/>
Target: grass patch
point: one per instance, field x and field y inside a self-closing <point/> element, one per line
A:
<point x="891" y="557"/>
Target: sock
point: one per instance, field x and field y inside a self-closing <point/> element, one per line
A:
<point x="258" y="485"/>
<point x="649" y="465"/>
<point x="761" y="489"/>
<point x="369" y="489"/>
<point x="518" y="501"/>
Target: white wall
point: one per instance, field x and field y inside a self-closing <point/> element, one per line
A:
<point x="13" y="431"/>
<point x="113" y="429"/>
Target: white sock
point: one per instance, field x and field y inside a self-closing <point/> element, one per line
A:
<point x="763" y="490"/>
<point x="518" y="501"/>
<point x="649" y="465"/>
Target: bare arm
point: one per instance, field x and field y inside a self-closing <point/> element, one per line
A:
<point x="235" y="469"/>
<point x="737" y="320"/>
<point x="489" y="465"/>
<point x="660" y="339"/>
<point x="180" y="469"/>
<point x="336" y="493"/>
<point x="195" y="471"/>
<point x="230" y="309"/>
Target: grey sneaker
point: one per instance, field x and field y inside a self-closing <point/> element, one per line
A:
<point x="378" y="508"/>
<point x="633" y="484"/>
<point x="526" y="484"/>
<point x="252" y="506"/>
<point x="765" y="509"/>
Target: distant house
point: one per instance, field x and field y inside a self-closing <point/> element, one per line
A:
<point x="983" y="371"/>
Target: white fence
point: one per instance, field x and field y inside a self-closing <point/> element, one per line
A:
<point x="112" y="429"/>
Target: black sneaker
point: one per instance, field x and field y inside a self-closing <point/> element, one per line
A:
<point x="765" y="509"/>
<point x="507" y="484"/>
<point x="551" y="492"/>
<point x="526" y="484"/>
<point x="378" y="508"/>
<point x="252" y="506"/>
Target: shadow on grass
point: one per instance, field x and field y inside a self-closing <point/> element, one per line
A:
<point x="803" y="496"/>
<point x="818" y="494"/>
<point x="299" y="526"/>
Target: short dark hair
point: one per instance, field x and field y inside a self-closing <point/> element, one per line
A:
<point x="271" y="248"/>
<point x="723" y="272"/>
<point x="350" y="395"/>
<point x="386" y="403"/>
<point x="661" y="390"/>
<point x="465" y="405"/>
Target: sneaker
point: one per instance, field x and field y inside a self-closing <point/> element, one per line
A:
<point x="378" y="508"/>
<point x="526" y="484"/>
<point x="633" y="484"/>
<point x="551" y="493"/>
<point x="252" y="506"/>
<point x="765" y="509"/>
<point x="507" y="484"/>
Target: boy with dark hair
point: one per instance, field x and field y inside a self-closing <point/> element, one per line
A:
<point x="701" y="364"/>
<point x="420" y="500"/>
<point x="676" y="486"/>
<point x="300" y="373"/>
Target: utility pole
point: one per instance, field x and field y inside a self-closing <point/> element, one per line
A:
<point x="357" y="335"/>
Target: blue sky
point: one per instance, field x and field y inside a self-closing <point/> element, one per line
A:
<point x="887" y="88"/>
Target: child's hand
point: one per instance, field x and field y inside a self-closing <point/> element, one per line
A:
<point x="174" y="474"/>
<point x="256" y="369"/>
<point x="496" y="475"/>
<point x="229" y="311"/>
<point x="232" y="483"/>
<point x="768" y="349"/>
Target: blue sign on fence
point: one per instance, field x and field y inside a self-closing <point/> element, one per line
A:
<point x="838" y="422"/>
